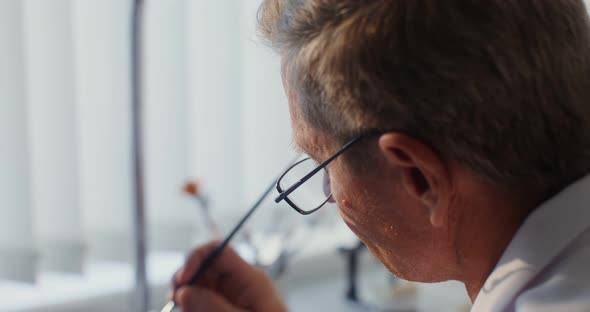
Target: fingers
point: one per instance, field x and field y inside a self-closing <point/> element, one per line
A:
<point x="196" y="256"/>
<point x="229" y="284"/>
<point x="225" y="264"/>
<point x="192" y="263"/>
<point x="196" y="299"/>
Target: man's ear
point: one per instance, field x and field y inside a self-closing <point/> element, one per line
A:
<point x="424" y="175"/>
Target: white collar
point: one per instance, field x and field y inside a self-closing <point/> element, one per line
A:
<point x="545" y="232"/>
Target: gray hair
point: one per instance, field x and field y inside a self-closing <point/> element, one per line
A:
<point x="500" y="86"/>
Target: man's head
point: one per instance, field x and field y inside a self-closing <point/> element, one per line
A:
<point x="476" y="99"/>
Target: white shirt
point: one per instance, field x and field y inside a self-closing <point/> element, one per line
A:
<point x="546" y="266"/>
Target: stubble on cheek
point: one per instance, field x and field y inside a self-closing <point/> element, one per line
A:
<point x="361" y="219"/>
<point x="375" y="229"/>
<point x="351" y="220"/>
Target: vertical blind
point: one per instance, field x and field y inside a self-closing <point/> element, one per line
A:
<point x="214" y="111"/>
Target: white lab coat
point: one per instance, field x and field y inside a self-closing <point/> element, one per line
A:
<point x="546" y="266"/>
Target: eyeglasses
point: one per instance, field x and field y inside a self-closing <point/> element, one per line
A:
<point x="303" y="188"/>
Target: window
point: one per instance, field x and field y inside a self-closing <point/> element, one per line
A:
<point x="214" y="111"/>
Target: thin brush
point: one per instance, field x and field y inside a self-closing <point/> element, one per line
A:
<point x="217" y="251"/>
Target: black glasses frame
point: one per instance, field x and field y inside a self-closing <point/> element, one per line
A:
<point x="283" y="194"/>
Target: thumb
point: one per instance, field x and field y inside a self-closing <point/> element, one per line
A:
<point x="197" y="299"/>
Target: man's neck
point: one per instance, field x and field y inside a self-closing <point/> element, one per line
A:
<point x="487" y="226"/>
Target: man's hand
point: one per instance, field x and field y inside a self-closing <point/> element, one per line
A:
<point x="229" y="284"/>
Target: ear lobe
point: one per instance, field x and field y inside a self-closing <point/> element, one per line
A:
<point x="422" y="171"/>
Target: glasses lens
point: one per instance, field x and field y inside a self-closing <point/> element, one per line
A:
<point x="313" y="192"/>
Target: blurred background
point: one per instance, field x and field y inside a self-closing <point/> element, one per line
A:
<point x="214" y="114"/>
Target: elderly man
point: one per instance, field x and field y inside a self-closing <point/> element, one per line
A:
<point x="456" y="138"/>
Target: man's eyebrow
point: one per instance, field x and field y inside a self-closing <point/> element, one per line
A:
<point x="298" y="148"/>
<point x="312" y="153"/>
<point x="301" y="149"/>
<point x="310" y="150"/>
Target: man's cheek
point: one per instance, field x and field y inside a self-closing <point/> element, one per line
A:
<point x="339" y="188"/>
